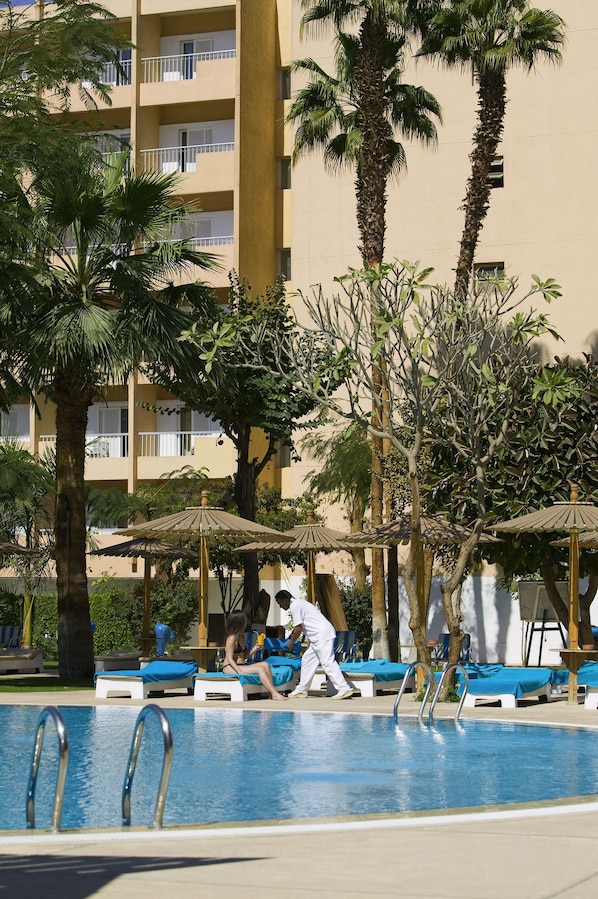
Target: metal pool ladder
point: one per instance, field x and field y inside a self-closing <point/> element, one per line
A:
<point x="430" y="680"/>
<point x="63" y="750"/>
<point x="166" y="765"/>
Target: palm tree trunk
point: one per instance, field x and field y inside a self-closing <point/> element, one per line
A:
<point x="491" y="113"/>
<point x="75" y="641"/>
<point x="245" y="482"/>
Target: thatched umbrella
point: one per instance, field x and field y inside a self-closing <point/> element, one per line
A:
<point x="310" y="538"/>
<point x="149" y="550"/>
<point x="573" y="518"/>
<point x="204" y="524"/>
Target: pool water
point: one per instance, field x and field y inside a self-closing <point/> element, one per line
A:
<point x="231" y="765"/>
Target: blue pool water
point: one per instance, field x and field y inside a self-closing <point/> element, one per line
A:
<point x="231" y="765"/>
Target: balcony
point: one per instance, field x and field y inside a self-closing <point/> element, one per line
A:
<point x="188" y="78"/>
<point x="106" y="455"/>
<point x="215" y="454"/>
<point x="205" y="167"/>
<point x="182" y="67"/>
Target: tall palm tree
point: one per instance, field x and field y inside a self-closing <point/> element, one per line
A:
<point x="90" y="298"/>
<point x="489" y="37"/>
<point x="354" y="116"/>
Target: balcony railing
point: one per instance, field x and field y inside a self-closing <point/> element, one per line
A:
<point x="115" y="76"/>
<point x="97" y="446"/>
<point x="179" y="159"/>
<point x="181" y="67"/>
<point x="170" y="443"/>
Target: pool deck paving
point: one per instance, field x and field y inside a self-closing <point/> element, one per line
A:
<point x="537" y="851"/>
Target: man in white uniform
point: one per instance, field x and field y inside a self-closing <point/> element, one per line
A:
<point x="322" y="637"/>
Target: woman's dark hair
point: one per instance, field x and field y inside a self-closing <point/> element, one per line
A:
<point x="238" y="623"/>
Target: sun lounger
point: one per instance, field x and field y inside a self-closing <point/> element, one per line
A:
<point x="21" y="661"/>
<point x="118" y="661"/>
<point x="587" y="677"/>
<point x="238" y="687"/>
<point x="157" y="677"/>
<point x="508" y="686"/>
<point x="367" y="678"/>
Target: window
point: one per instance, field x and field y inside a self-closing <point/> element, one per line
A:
<point x="123" y="72"/>
<point x="496" y="175"/>
<point x="285" y="84"/>
<point x="284" y="173"/>
<point x="15" y="422"/>
<point x="284" y="264"/>
<point x="484" y="271"/>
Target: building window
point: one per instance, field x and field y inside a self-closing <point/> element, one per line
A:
<point x="285" y="83"/>
<point x="485" y="271"/>
<point x="284" y="173"/>
<point x="284" y="264"/>
<point x="496" y="175"/>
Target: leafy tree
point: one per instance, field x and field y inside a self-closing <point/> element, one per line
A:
<point x="448" y="361"/>
<point x="26" y="500"/>
<point x="89" y="298"/>
<point x="354" y="116"/>
<point x="488" y="38"/>
<point x="344" y="477"/>
<point x="554" y="444"/>
<point x="249" y="402"/>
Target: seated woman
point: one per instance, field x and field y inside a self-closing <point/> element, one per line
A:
<point x="237" y="659"/>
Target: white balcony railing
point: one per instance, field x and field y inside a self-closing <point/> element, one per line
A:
<point x="114" y="76"/>
<point x="181" y="67"/>
<point x="179" y="159"/>
<point x="97" y="446"/>
<point x="170" y="443"/>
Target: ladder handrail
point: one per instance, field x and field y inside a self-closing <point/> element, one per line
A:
<point x="408" y="673"/>
<point x="63" y="755"/>
<point x="448" y="668"/>
<point x="132" y="763"/>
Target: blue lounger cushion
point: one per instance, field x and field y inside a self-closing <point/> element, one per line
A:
<point x="382" y="670"/>
<point x="282" y="674"/>
<point x="154" y="672"/>
<point x="516" y="681"/>
<point x="587" y="676"/>
<point x="284" y="661"/>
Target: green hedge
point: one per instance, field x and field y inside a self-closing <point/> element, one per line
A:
<point x="117" y="610"/>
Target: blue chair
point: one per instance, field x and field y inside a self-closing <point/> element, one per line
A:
<point x="345" y="646"/>
<point x="440" y="654"/>
<point x="164" y="635"/>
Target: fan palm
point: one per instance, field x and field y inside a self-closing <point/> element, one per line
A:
<point x="90" y="297"/>
<point x="354" y="116"/>
<point x="489" y="37"/>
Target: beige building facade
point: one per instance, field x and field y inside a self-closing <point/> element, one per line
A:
<point x="204" y="93"/>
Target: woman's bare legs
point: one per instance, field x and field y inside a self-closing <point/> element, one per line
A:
<point x="264" y="672"/>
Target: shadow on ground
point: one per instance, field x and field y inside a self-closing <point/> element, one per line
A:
<point x="80" y="876"/>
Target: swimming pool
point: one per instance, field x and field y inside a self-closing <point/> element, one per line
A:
<point x="234" y="765"/>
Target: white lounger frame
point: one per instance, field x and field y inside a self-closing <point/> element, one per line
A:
<point x="133" y="686"/>
<point x="21" y="661"/>
<point x="365" y="684"/>
<point x="507" y="700"/>
<point x="591" y="697"/>
<point x="230" y="685"/>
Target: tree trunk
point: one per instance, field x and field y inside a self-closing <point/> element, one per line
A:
<point x="491" y="113"/>
<point x="561" y="607"/>
<point x="245" y="482"/>
<point x="75" y="640"/>
<point x="356" y="513"/>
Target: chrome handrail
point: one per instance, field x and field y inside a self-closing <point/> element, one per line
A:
<point x="439" y="688"/>
<point x="63" y="751"/>
<point x="408" y="673"/>
<point x="166" y="765"/>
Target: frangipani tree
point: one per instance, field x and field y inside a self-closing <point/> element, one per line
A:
<point x="447" y="360"/>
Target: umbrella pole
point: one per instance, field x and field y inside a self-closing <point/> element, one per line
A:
<point x="202" y="630"/>
<point x="311" y="577"/>
<point x="146" y="640"/>
<point x="573" y="613"/>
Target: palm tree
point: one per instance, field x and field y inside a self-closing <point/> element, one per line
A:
<point x="489" y="37"/>
<point x="90" y="297"/>
<point x="353" y="116"/>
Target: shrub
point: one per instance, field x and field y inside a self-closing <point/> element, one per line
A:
<point x="357" y="604"/>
